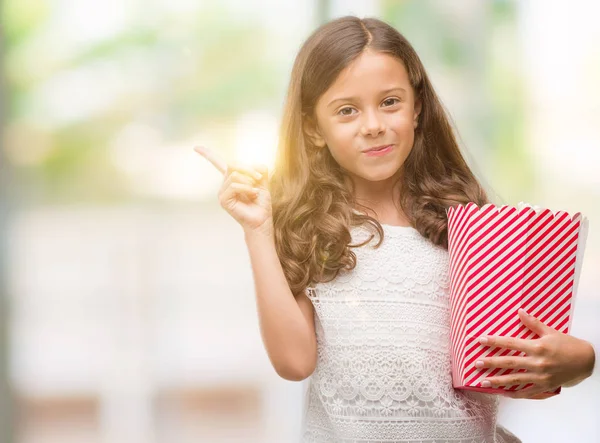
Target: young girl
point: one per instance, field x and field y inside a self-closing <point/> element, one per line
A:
<point x="348" y="245"/>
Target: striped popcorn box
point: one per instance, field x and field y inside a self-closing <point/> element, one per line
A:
<point x="502" y="259"/>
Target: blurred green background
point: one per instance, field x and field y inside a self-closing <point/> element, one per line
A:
<point x="85" y="82"/>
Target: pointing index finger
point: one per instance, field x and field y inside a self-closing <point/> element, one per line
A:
<point x="216" y="161"/>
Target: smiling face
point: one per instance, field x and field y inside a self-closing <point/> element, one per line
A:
<point x="371" y="104"/>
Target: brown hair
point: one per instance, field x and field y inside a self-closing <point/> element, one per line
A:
<point x="312" y="204"/>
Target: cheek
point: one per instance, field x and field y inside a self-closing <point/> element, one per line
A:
<point x="341" y="133"/>
<point x="402" y="124"/>
<point x="341" y="141"/>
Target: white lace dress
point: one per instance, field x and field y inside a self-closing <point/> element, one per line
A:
<point x="383" y="370"/>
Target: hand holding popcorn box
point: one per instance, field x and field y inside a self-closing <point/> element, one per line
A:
<point x="503" y="259"/>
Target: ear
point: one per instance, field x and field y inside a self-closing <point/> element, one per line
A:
<point x="312" y="131"/>
<point x="418" y="108"/>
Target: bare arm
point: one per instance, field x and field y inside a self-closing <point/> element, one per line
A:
<point x="286" y="323"/>
<point x="590" y="365"/>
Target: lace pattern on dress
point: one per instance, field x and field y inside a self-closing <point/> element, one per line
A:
<point x="383" y="368"/>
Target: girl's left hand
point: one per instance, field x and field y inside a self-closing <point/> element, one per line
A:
<point x="555" y="359"/>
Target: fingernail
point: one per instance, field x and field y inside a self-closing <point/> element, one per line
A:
<point x="478" y="364"/>
<point x="486" y="384"/>
<point x="258" y="175"/>
<point x="523" y="311"/>
<point x="483" y="340"/>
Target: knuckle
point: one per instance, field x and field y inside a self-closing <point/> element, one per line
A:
<point x="242" y="178"/>
<point x="543" y="365"/>
<point x="546" y="379"/>
<point x="240" y="168"/>
<point x="539" y="348"/>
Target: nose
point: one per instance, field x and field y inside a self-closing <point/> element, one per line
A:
<point x="372" y="124"/>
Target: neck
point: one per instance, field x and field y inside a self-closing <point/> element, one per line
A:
<point x="381" y="200"/>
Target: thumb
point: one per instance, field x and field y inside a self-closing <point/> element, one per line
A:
<point x="264" y="171"/>
<point x="534" y="324"/>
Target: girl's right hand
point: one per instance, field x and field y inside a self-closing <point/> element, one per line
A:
<point x="244" y="193"/>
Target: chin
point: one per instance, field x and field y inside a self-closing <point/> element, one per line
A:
<point x="380" y="174"/>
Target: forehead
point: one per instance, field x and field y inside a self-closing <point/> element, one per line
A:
<point x="369" y="73"/>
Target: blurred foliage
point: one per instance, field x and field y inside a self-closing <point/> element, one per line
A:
<point x="181" y="73"/>
<point x="194" y="71"/>
<point x="512" y="165"/>
<point x="21" y="18"/>
<point x="415" y="19"/>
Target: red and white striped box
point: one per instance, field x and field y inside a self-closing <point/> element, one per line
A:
<point x="502" y="259"/>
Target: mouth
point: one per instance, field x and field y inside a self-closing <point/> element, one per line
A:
<point x="378" y="150"/>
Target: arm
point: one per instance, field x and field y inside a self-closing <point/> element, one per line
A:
<point x="286" y="323"/>
<point x="590" y="359"/>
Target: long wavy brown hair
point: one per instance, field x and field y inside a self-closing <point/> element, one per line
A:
<point x="313" y="206"/>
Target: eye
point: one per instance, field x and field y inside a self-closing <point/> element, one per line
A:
<point x="390" y="101"/>
<point x="343" y="111"/>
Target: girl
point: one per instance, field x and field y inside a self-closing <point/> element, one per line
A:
<point x="348" y="245"/>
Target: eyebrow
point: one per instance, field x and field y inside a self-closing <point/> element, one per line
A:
<point x="387" y="91"/>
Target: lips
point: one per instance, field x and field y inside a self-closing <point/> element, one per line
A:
<point x="377" y="148"/>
